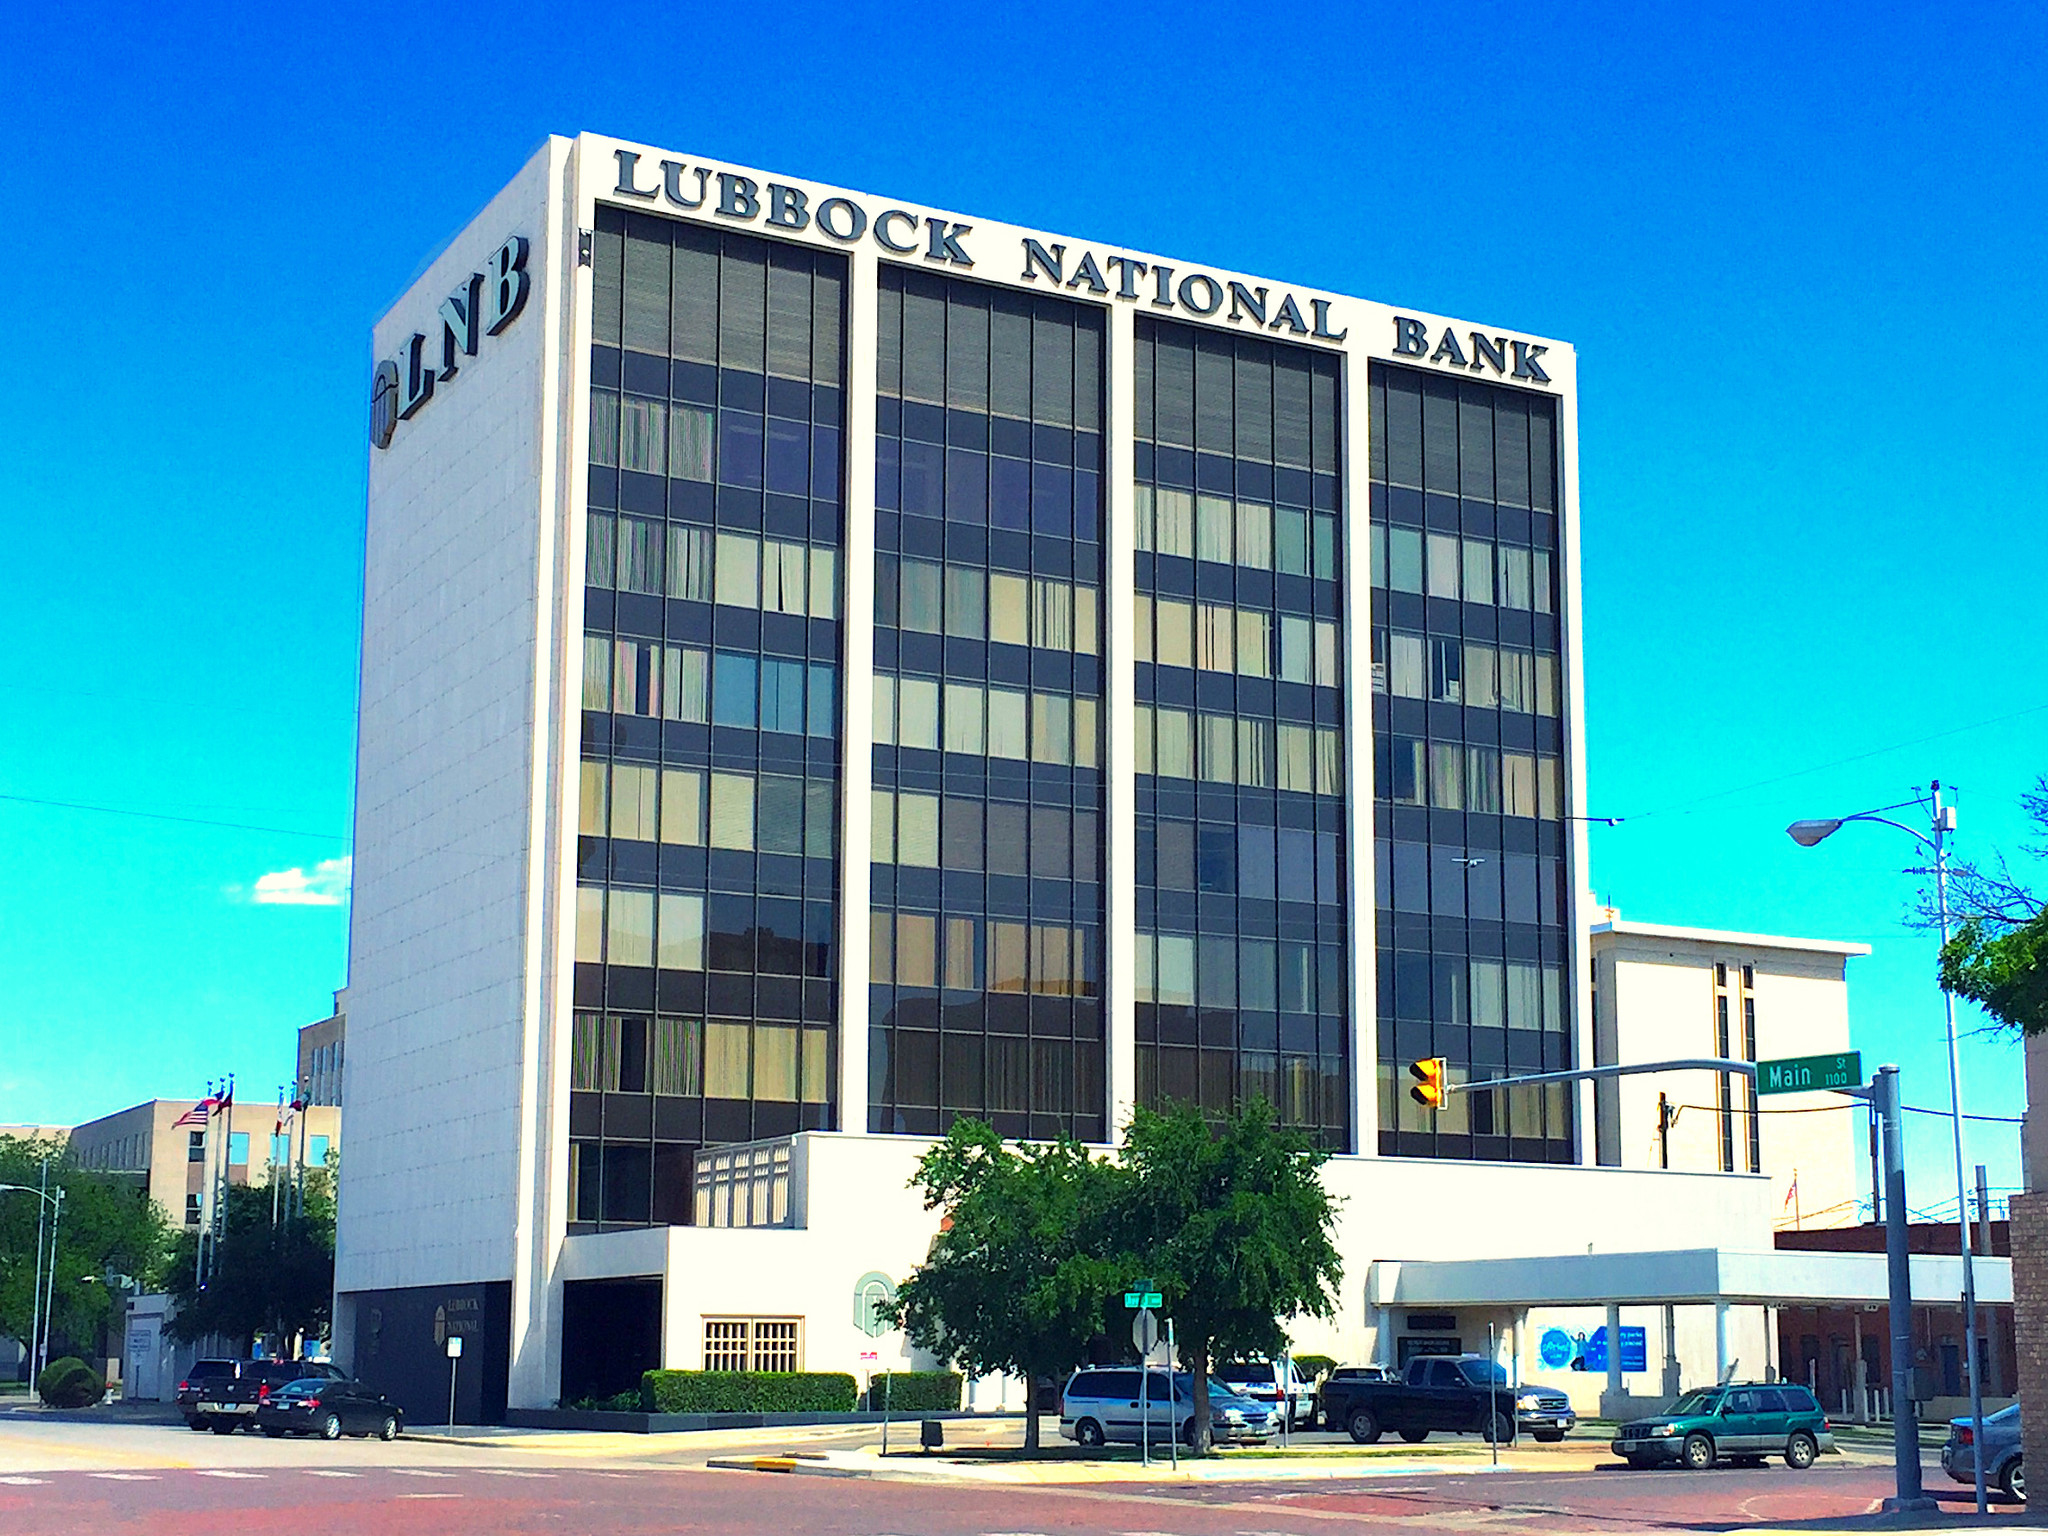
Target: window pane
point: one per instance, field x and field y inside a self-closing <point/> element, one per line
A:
<point x="732" y="811"/>
<point x="725" y="1061"/>
<point x="592" y="817"/>
<point x="681" y="932"/>
<point x="739" y="570"/>
<point x="629" y="927"/>
<point x="682" y="807"/>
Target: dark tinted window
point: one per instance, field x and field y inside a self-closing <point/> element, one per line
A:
<point x="1740" y="1402"/>
<point x="1770" y="1401"/>
<point x="1799" y="1400"/>
<point x="1106" y="1384"/>
<point x="1443" y="1374"/>
<point x="212" y="1370"/>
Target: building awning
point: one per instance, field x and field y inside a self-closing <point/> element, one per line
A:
<point x="1682" y="1276"/>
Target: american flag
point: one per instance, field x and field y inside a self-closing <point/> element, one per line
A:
<point x="198" y="1114"/>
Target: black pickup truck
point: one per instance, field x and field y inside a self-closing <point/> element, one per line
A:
<point x="223" y="1395"/>
<point x="1463" y="1394"/>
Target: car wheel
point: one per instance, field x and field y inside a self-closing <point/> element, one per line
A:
<point x="1415" y="1436"/>
<point x="330" y="1427"/>
<point x="1699" y="1452"/>
<point x="195" y="1424"/>
<point x="388" y="1430"/>
<point x="1500" y="1432"/>
<point x="2014" y="1481"/>
<point x="1550" y="1437"/>
<point x="1800" y="1451"/>
<point x="1088" y="1433"/>
<point x="1187" y="1433"/>
<point x="1363" y="1426"/>
<point x="221" y="1426"/>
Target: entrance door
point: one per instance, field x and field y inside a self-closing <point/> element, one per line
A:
<point x="139" y="1372"/>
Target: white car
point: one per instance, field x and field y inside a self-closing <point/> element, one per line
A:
<point x="1262" y="1381"/>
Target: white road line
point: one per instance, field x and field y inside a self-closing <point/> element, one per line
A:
<point x="220" y="1472"/>
<point x="24" y="1482"/>
<point x="317" y="1472"/>
<point x="430" y="1495"/>
<point x="125" y="1477"/>
<point x="415" y="1472"/>
<point x="509" y="1472"/>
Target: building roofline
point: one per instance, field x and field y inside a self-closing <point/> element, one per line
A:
<point x="1621" y="929"/>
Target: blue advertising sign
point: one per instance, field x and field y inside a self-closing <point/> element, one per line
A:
<point x="1635" y="1350"/>
<point x="1556" y="1348"/>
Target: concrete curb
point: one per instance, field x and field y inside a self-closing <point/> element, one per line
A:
<point x="800" y="1466"/>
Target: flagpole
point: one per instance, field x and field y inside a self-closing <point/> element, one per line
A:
<point x="206" y="1186"/>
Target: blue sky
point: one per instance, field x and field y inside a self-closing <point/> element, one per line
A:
<point x="1798" y="254"/>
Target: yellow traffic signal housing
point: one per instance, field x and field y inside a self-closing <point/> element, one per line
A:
<point x="1431" y="1076"/>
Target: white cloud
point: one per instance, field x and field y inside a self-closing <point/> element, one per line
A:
<point x="325" y="885"/>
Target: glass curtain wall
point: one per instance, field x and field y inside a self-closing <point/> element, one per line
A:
<point x="1242" y="984"/>
<point x="986" y="952"/>
<point x="707" y="855"/>
<point x="1469" y="735"/>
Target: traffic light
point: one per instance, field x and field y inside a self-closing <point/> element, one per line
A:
<point x="1430" y="1075"/>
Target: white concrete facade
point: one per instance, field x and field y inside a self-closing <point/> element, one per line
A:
<point x="462" y="944"/>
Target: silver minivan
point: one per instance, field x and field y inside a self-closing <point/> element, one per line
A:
<point x="1101" y="1405"/>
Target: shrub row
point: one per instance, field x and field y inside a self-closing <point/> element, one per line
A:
<point x="747" y="1392"/>
<point x="915" y="1392"/>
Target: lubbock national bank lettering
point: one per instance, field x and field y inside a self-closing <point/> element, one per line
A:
<point x="484" y="305"/>
<point x="903" y="233"/>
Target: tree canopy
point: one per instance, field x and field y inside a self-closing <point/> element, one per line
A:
<point x="269" y="1279"/>
<point x="110" y="1227"/>
<point x="1998" y="957"/>
<point x="1230" y="1222"/>
<point x="1233" y="1225"/>
<point x="1019" y="1278"/>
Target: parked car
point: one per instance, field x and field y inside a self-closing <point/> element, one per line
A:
<point x="2002" y="1465"/>
<point x="1260" y="1381"/>
<point x="223" y="1395"/>
<point x="329" y="1407"/>
<point x="1101" y="1405"/>
<point x="1544" y="1413"/>
<point x="1466" y="1394"/>
<point x="1745" y="1421"/>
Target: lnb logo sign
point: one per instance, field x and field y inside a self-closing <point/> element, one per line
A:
<point x="484" y="305"/>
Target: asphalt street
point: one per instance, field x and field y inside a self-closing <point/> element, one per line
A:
<point x="113" y="1478"/>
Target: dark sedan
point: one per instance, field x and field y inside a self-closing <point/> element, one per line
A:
<point x="315" y="1405"/>
<point x="2003" y="1468"/>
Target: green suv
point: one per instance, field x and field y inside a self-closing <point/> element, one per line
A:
<point x="1745" y="1421"/>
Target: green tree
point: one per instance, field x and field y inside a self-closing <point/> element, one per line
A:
<point x="1019" y="1278"/>
<point x="110" y="1227"/>
<point x="1234" y="1226"/>
<point x="270" y="1278"/>
<point x="1998" y="956"/>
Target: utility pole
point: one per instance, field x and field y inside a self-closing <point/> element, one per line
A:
<point x="1884" y="1103"/>
<point x="1663" y="1130"/>
<point x="35" y="1327"/>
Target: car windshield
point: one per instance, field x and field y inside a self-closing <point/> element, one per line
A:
<point x="1184" y="1385"/>
<point x="1479" y="1372"/>
<point x="1699" y="1400"/>
<point x="2004" y="1415"/>
<point x="209" y="1370"/>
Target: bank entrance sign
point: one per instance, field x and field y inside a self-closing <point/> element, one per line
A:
<point x="1808" y="1074"/>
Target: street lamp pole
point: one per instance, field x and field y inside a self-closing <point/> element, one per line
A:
<point x="1943" y="825"/>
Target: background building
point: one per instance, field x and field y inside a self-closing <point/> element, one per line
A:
<point x="831" y="666"/>
<point x="322" y="1048"/>
<point x="148" y="1143"/>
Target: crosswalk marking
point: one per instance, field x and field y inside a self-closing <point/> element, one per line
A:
<point x="416" y="1472"/>
<point x="24" y="1482"/>
<point x="222" y="1472"/>
<point x="125" y="1477"/>
<point x="510" y="1472"/>
<point x="316" y="1472"/>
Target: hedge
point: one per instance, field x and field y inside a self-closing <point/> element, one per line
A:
<point x="747" y="1392"/>
<point x="915" y="1392"/>
<point x="70" y="1383"/>
<point x="1314" y="1367"/>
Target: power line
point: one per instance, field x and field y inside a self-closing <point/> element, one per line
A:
<point x="190" y="821"/>
<point x="1828" y="1109"/>
<point x="1799" y="773"/>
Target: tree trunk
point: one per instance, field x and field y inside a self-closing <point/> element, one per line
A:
<point x="1199" y="1360"/>
<point x="1031" y="1415"/>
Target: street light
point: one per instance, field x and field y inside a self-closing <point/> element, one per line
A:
<point x="1942" y="826"/>
<point x="45" y="1284"/>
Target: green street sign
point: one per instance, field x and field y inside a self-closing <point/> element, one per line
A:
<point x="1807" y="1074"/>
<point x="1138" y="1299"/>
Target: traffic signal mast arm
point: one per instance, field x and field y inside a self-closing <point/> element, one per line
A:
<point x="1592" y="1074"/>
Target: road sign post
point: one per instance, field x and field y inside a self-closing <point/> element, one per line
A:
<point x="1810" y="1074"/>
